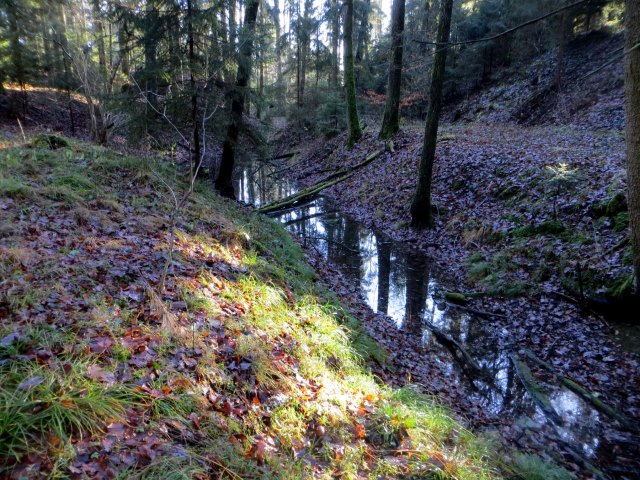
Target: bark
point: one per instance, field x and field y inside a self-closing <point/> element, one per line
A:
<point x="224" y="182"/>
<point x="16" y="47"/>
<point x="632" y="91"/>
<point x="123" y="49"/>
<point x="391" y="118"/>
<point x="195" y="164"/>
<point x="355" y="130"/>
<point x="562" y="47"/>
<point x="276" y="21"/>
<point x="335" y="39"/>
<point x="363" y="34"/>
<point x="421" y="205"/>
<point x="310" y="192"/>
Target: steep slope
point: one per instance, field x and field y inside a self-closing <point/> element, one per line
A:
<point x="590" y="95"/>
<point x="243" y="368"/>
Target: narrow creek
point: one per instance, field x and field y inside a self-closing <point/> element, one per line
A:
<point x="400" y="282"/>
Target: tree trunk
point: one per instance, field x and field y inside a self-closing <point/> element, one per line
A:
<point x="15" y="46"/>
<point x="99" y="33"/>
<point x="562" y="46"/>
<point x="355" y="130"/>
<point x="363" y="41"/>
<point x="632" y="91"/>
<point x="196" y="160"/>
<point x="421" y="205"/>
<point x="335" y="39"/>
<point x="123" y="49"/>
<point x="276" y="21"/>
<point x="391" y="118"/>
<point x="224" y="182"/>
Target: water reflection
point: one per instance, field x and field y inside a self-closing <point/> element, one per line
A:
<point x="402" y="283"/>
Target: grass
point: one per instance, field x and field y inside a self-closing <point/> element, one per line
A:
<point x="46" y="405"/>
<point x="247" y="367"/>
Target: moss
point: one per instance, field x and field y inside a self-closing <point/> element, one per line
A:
<point x="621" y="222"/>
<point x="455" y="297"/>
<point x="52" y="142"/>
<point x="621" y="289"/>
<point x="14" y="188"/>
<point x="612" y="206"/>
<point x="509" y="192"/>
<point x="545" y="228"/>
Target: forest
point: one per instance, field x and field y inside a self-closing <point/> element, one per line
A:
<point x="319" y="239"/>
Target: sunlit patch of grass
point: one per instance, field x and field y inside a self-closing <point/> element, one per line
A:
<point x="47" y="405"/>
<point x="531" y="467"/>
<point x="14" y="188"/>
<point x="186" y="467"/>
<point x="267" y="337"/>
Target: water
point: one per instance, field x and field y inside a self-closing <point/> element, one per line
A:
<point x="401" y="283"/>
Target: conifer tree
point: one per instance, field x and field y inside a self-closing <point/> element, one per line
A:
<point x="353" y="121"/>
<point x="421" y="216"/>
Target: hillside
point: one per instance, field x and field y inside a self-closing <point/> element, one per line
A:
<point x="590" y="95"/>
<point x="244" y="367"/>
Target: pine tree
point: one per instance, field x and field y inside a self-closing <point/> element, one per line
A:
<point x="421" y="216"/>
<point x="391" y="120"/>
<point x="632" y="90"/>
<point x="355" y="130"/>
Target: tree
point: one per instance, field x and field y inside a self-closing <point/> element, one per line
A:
<point x="355" y="130"/>
<point x="390" y="120"/>
<point x="335" y="39"/>
<point x="632" y="91"/>
<point x="421" y="205"/>
<point x="224" y="182"/>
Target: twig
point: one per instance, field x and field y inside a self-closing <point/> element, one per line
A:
<point x="24" y="138"/>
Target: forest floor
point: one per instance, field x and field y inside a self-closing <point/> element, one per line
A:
<point x="526" y="218"/>
<point x="244" y="367"/>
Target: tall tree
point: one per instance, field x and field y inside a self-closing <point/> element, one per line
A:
<point x="224" y="182"/>
<point x="421" y="216"/>
<point x="335" y="40"/>
<point x="391" y="120"/>
<point x="632" y="91"/>
<point x="195" y="164"/>
<point x="355" y="130"/>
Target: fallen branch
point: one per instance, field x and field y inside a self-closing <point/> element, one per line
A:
<point x="531" y="386"/>
<point x="283" y="156"/>
<point x="457" y="349"/>
<point x="626" y="423"/>
<point x="333" y="179"/>
<point x="478" y="313"/>
<point x="308" y="217"/>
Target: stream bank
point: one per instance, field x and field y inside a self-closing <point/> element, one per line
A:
<point x="402" y="291"/>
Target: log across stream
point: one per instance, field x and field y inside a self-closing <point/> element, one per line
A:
<point x="402" y="284"/>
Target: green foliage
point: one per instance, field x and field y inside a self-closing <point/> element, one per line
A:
<point x="57" y="400"/>
<point x="14" y="188"/>
<point x="52" y="142"/>
<point x="330" y="115"/>
<point x="612" y="206"/>
<point x="544" y="228"/>
<point x="532" y="467"/>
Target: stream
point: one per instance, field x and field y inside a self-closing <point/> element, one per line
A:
<point x="400" y="282"/>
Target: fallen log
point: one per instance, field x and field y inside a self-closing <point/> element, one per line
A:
<point x="531" y="386"/>
<point x="457" y="349"/>
<point x="333" y="179"/>
<point x="283" y="156"/>
<point x="583" y="393"/>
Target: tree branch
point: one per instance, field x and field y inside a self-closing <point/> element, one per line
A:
<point x="506" y="32"/>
